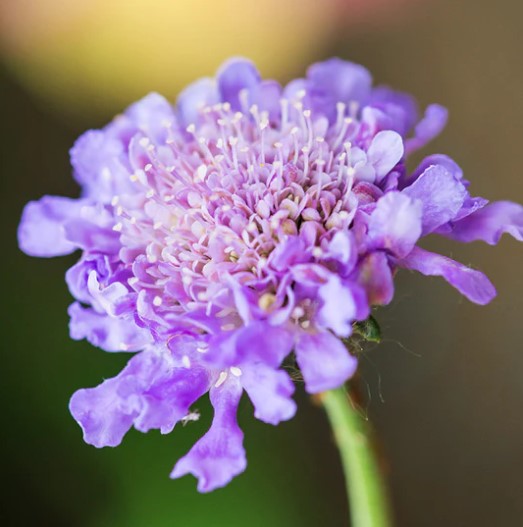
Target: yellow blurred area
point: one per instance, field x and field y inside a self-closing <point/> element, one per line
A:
<point x="100" y="55"/>
<point x="97" y="56"/>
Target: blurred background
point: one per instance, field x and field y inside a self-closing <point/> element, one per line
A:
<point x="445" y="389"/>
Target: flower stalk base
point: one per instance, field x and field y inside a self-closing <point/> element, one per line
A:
<point x="369" y="505"/>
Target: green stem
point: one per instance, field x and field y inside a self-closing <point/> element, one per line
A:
<point x="365" y="489"/>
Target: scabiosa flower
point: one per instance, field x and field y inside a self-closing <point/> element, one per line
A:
<point x="243" y="224"/>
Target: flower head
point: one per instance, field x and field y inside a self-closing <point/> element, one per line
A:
<point x="245" y="223"/>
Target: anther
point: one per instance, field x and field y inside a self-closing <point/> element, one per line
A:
<point x="157" y="301"/>
<point x="221" y="379"/>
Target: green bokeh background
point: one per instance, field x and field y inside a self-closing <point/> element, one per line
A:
<point x="445" y="388"/>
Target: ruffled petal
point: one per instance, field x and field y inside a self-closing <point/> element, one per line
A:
<point x="428" y="128"/>
<point x="490" y="223"/>
<point x="170" y="397"/>
<point x="470" y="205"/>
<point x="324" y="361"/>
<point x="270" y="391"/>
<point x="106" y="413"/>
<point x="233" y="77"/>
<point x="98" y="412"/>
<point x="76" y="279"/>
<point x="395" y="223"/>
<point x="375" y="275"/>
<point x="470" y="283"/>
<point x="109" y="297"/>
<point x="441" y="194"/>
<point x="343" y="251"/>
<point x="107" y="270"/>
<point x="266" y="96"/>
<point x="219" y="455"/>
<point x="196" y="96"/>
<point x="401" y="108"/>
<point x="106" y="332"/>
<point x="244" y="299"/>
<point x="290" y="251"/>
<point x="338" y="310"/>
<point x="336" y="80"/>
<point x="436" y="159"/>
<point x="98" y="166"/>
<point x="294" y="89"/>
<point x="148" y="393"/>
<point x="384" y="153"/>
<point x="259" y="341"/>
<point x="42" y="229"/>
<point x="92" y="230"/>
<point x="149" y="115"/>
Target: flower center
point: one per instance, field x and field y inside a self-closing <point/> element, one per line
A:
<point x="217" y="198"/>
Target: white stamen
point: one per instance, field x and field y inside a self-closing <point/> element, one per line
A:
<point x="157" y="301"/>
<point x="221" y="379"/>
<point x="298" y="312"/>
<point x="186" y="361"/>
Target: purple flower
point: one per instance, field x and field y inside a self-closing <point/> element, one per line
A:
<point x="245" y="223"/>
